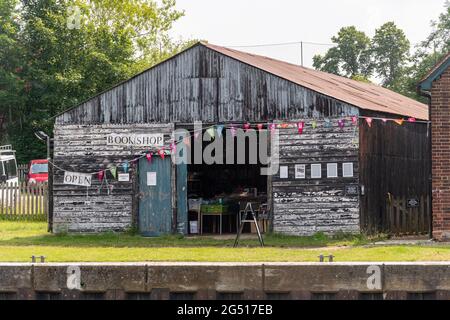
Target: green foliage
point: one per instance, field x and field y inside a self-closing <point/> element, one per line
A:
<point x="439" y="39"/>
<point x="387" y="55"/>
<point x="390" y="49"/>
<point x="356" y="56"/>
<point x="12" y="84"/>
<point x="49" y="62"/>
<point x="350" y="57"/>
<point x="429" y="53"/>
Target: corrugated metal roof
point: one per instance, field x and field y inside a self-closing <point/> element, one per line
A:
<point x="363" y="95"/>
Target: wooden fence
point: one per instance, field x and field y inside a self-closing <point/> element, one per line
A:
<point x="22" y="170"/>
<point x="24" y="202"/>
<point x="408" y="216"/>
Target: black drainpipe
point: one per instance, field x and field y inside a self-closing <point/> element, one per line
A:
<point x="427" y="94"/>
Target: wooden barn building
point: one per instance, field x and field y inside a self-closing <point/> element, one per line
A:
<point x="348" y="171"/>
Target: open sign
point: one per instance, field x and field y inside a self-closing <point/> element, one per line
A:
<point x="77" y="179"/>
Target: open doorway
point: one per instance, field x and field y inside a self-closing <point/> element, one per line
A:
<point x="218" y="192"/>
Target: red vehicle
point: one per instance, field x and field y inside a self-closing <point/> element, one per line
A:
<point x="37" y="171"/>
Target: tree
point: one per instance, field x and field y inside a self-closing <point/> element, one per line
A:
<point x="74" y="49"/>
<point x="11" y="83"/>
<point x="428" y="53"/>
<point x="439" y="39"/>
<point x="390" y="49"/>
<point x="351" y="57"/>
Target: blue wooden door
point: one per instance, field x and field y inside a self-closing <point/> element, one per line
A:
<point x="155" y="206"/>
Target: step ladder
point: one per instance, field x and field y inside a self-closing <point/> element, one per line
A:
<point x="246" y="219"/>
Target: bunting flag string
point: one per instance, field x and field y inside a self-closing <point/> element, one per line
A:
<point x="260" y="126"/>
<point x="211" y="132"/>
<point x="125" y="166"/>
<point x="113" y="171"/>
<point x="173" y="148"/>
<point x="220" y="131"/>
<point x="300" y="127"/>
<point x="162" y="153"/>
<point x="101" y="175"/>
<point x="272" y="127"/>
<point x="233" y="131"/>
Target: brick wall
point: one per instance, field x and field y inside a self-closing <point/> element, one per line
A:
<point x="440" y="117"/>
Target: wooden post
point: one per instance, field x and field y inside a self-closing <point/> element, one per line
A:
<point x="135" y="196"/>
<point x="11" y="200"/>
<point x="269" y="183"/>
<point x="50" y="195"/>
<point x="174" y="188"/>
<point x="19" y="200"/>
<point x="46" y="201"/>
<point x="2" y="199"/>
<point x="33" y="197"/>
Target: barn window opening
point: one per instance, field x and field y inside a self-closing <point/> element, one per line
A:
<point x="316" y="171"/>
<point x="219" y="192"/>
<point x="347" y="170"/>
<point x="332" y="170"/>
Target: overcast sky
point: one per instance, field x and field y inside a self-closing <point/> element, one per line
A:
<point x="250" y="22"/>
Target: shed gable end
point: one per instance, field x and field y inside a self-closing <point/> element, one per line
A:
<point x="201" y="84"/>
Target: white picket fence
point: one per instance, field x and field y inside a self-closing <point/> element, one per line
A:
<point x="22" y="201"/>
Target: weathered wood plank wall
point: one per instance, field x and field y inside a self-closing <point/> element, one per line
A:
<point x="307" y="206"/>
<point x="203" y="85"/>
<point x="84" y="149"/>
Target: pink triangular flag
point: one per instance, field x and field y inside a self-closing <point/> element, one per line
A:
<point x="300" y="127"/>
<point x="233" y="131"/>
<point x="272" y="127"/>
<point x="161" y="153"/>
<point x="173" y="147"/>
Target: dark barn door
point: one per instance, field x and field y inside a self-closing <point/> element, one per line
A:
<point x="155" y="206"/>
<point x="395" y="172"/>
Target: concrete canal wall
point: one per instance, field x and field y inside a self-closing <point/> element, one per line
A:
<point x="163" y="281"/>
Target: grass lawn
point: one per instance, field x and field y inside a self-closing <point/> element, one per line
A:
<point x="20" y="240"/>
